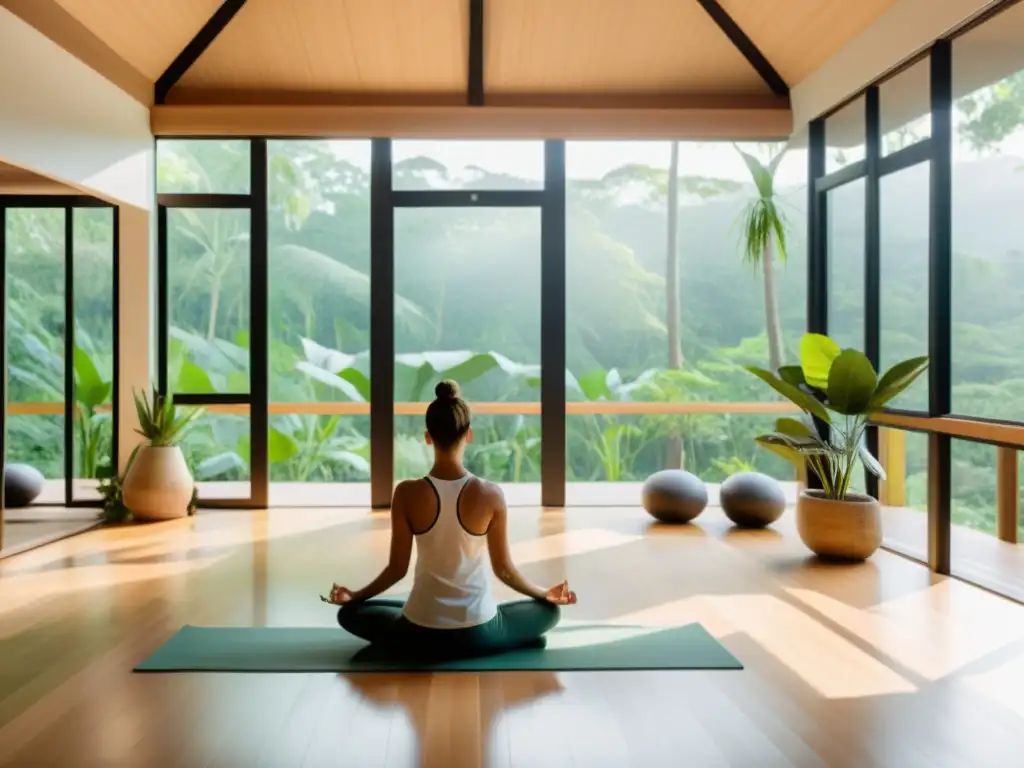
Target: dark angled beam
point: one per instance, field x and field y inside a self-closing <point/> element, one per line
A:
<point x="745" y="46"/>
<point x="475" y="81"/>
<point x="196" y="47"/>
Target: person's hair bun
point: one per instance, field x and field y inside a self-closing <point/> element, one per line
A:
<point x="446" y="390"/>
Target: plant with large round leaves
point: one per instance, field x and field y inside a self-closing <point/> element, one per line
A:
<point x="838" y="390"/>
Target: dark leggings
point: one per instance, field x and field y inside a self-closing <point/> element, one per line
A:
<point x="517" y="624"/>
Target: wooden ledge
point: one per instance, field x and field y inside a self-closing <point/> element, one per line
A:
<point x="492" y="409"/>
<point x="995" y="432"/>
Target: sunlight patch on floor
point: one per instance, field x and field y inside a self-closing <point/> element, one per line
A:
<point x="827" y="662"/>
<point x="575" y="542"/>
<point x="944" y="646"/>
<point x="1003" y="685"/>
<point x="19" y="591"/>
<point x="586" y="635"/>
<point x="678" y="612"/>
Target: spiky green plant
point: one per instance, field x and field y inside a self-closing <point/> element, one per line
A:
<point x="159" y="421"/>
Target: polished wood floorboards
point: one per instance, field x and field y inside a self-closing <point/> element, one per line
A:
<point x="877" y="664"/>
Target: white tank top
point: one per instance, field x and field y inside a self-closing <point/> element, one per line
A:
<point x="451" y="586"/>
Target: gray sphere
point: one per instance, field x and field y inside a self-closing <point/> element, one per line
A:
<point x="22" y="484"/>
<point x="674" y="496"/>
<point x="752" y="500"/>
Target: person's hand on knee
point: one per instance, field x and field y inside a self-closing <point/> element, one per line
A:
<point x="338" y="596"/>
<point x="560" y="594"/>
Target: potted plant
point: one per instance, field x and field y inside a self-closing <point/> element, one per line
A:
<point x="838" y="390"/>
<point x="158" y="484"/>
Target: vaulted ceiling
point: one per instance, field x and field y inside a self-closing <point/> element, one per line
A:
<point x="417" y="52"/>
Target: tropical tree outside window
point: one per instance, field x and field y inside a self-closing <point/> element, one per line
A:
<point x="988" y="255"/>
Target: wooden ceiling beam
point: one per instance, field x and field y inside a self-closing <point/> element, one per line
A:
<point x="745" y="46"/>
<point x="734" y="123"/>
<point x="475" y="73"/>
<point x="195" y="48"/>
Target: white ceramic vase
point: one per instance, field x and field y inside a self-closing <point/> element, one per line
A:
<point x="840" y="530"/>
<point x="158" y="485"/>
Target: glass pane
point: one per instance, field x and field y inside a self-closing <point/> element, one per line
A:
<point x="973" y="484"/>
<point x="988" y="230"/>
<point x="976" y="552"/>
<point x="38" y="440"/>
<point x="208" y="300"/>
<point x="217" y="451"/>
<point x="319" y="230"/>
<point x="905" y="107"/>
<point x="35" y="342"/>
<point x="206" y="166"/>
<point x="486" y="165"/>
<point x="846" y="264"/>
<point x="94" y="345"/>
<point x="627" y="449"/>
<point x="844" y="136"/>
<point x="468" y="307"/>
<point x="620" y="343"/>
<point x="904" y="494"/>
<point x="904" y="201"/>
<point x="505" y="449"/>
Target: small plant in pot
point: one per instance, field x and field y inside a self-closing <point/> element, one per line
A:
<point x="838" y="390"/>
<point x="158" y="484"/>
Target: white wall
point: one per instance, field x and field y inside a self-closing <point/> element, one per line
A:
<point x="907" y="27"/>
<point x="62" y="119"/>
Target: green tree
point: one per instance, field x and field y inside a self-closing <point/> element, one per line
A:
<point x="764" y="230"/>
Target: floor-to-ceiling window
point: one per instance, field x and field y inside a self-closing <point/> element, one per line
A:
<point x="467" y="281"/>
<point x="319" y="317"/>
<point x="988" y="288"/>
<point x="928" y="159"/>
<point x="666" y="303"/>
<point x="206" y="260"/>
<point x="59" y="256"/>
<point x="875" y="204"/>
<point x="466" y="253"/>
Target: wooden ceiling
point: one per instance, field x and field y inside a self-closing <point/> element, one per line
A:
<point x="148" y="34"/>
<point x="410" y="52"/>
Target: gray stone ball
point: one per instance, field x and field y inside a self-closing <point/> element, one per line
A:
<point x="752" y="500"/>
<point x="674" y="496"/>
<point x="22" y="484"/>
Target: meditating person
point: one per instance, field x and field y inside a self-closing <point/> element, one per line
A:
<point x="451" y="515"/>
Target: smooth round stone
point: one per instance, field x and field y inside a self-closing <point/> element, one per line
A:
<point x="752" y="500"/>
<point x="22" y="484"/>
<point x="674" y="496"/>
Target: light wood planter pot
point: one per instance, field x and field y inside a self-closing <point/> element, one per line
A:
<point x="159" y="485"/>
<point x="839" y="530"/>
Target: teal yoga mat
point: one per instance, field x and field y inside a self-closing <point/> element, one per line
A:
<point x="315" y="649"/>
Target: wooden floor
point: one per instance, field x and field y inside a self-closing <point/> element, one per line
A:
<point x="32" y="526"/>
<point x="876" y="664"/>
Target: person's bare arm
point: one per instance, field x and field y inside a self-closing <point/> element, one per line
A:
<point x="505" y="569"/>
<point x="398" y="559"/>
